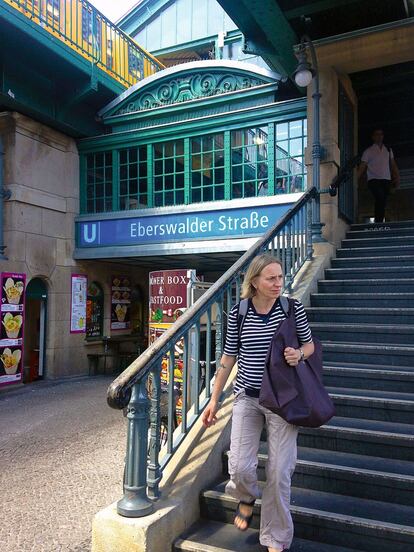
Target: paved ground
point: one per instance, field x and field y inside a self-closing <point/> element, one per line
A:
<point x="61" y="460"/>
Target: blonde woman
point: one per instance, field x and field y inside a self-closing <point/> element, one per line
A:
<point x="262" y="285"/>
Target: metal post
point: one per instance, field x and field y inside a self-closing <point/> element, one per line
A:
<point x="135" y="502"/>
<point x="154" y="469"/>
<point x="316" y="144"/>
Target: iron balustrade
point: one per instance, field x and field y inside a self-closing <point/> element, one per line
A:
<point x="85" y="29"/>
<point x="200" y="330"/>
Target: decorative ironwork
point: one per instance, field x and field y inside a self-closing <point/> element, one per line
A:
<point x="188" y="87"/>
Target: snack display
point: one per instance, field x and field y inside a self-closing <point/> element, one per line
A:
<point x="11" y="328"/>
<point x="12" y="324"/>
<point x="11" y="360"/>
<point x="120" y="303"/>
<point x="14" y="291"/>
<point x="120" y="311"/>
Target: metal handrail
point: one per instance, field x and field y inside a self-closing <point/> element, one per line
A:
<point x="343" y="174"/>
<point x="291" y="240"/>
<point x="85" y="29"/>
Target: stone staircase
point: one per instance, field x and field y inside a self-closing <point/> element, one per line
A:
<point x="353" y="488"/>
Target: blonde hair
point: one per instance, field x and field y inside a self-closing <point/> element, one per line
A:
<point x="255" y="269"/>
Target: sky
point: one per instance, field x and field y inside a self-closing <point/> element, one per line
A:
<point x="113" y="9"/>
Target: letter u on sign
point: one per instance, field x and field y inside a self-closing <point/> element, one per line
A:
<point x="89" y="233"/>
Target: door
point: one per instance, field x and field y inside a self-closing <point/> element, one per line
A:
<point x="35" y="329"/>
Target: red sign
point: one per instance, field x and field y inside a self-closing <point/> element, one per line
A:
<point x="12" y="323"/>
<point x="168" y="295"/>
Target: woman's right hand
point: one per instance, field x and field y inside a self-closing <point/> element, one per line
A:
<point x="209" y="417"/>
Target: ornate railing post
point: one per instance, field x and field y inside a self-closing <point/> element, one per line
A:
<point x="219" y="329"/>
<point x="154" y="470"/>
<point x="135" y="502"/>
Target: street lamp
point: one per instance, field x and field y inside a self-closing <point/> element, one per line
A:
<point x="305" y="74"/>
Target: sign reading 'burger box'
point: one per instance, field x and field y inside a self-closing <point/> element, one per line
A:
<point x="12" y="323"/>
<point x="168" y="294"/>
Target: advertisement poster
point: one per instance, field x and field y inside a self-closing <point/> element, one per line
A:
<point x="94" y="311"/>
<point x="12" y="324"/>
<point x="120" y="303"/>
<point x="78" y="303"/>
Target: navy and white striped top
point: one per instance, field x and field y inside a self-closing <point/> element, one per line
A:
<point x="256" y="335"/>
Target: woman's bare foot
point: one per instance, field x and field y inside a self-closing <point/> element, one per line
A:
<point x="239" y="522"/>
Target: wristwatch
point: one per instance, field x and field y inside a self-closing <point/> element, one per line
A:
<point x="302" y="354"/>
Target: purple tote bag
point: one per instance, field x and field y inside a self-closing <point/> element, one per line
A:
<point x="297" y="394"/>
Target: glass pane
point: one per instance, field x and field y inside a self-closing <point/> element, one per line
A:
<point x="169" y="149"/>
<point x="142" y="167"/>
<point x="123" y="156"/>
<point x="282" y="131"/>
<point x="219" y="159"/>
<point x="219" y="192"/>
<point x="169" y="166"/>
<point x="295" y="128"/>
<point x="143" y="185"/>
<point x="296" y="147"/>
<point x="179" y="164"/>
<point x="133" y="187"/>
<point x="179" y="197"/>
<point x="237" y="138"/>
<point x="196" y="195"/>
<point x="133" y="155"/>
<point x="158" y="167"/>
<point x="196" y="162"/>
<point x="196" y="145"/>
<point x="282" y="149"/>
<point x="108" y="158"/>
<point x="196" y="179"/>
<point x="158" y="183"/>
<point x="158" y="151"/>
<point x="179" y="147"/>
<point x="123" y="188"/>
<point x="179" y="180"/>
<point x="169" y="182"/>
<point x="207" y="143"/>
<point x="133" y="171"/>
<point x="158" y="200"/>
<point x="142" y="153"/>
<point x="207" y="160"/>
<point x="169" y="198"/>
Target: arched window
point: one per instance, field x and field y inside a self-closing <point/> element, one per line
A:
<point x="94" y="311"/>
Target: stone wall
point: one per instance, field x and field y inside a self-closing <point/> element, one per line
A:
<point x="41" y="169"/>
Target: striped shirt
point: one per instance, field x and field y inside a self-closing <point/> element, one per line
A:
<point x="256" y="335"/>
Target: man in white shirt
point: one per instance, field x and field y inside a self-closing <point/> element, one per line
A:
<point x="379" y="163"/>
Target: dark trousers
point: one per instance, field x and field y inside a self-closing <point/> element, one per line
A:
<point x="380" y="189"/>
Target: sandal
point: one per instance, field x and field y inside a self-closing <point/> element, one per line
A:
<point x="243" y="517"/>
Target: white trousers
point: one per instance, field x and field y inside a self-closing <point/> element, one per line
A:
<point x="276" y="525"/>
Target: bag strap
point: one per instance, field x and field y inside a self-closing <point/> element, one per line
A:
<point x="285" y="304"/>
<point x="241" y="316"/>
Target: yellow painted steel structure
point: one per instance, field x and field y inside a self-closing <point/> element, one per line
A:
<point x="87" y="31"/>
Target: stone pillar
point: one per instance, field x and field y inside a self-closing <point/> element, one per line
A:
<point x="335" y="227"/>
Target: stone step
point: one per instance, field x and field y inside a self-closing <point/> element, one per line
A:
<point x="364" y="333"/>
<point x="380" y="233"/>
<point x="383" y="378"/>
<point x="361" y="315"/>
<point x="207" y="535"/>
<point x="382" y="226"/>
<point x="369" y="272"/>
<point x="361" y="436"/>
<point x="363" y="300"/>
<point x="330" y="518"/>
<point x="365" y="286"/>
<point x="347" y="474"/>
<point x="366" y="353"/>
<point x="390" y="250"/>
<point x="369" y="404"/>
<point x="378" y="241"/>
<point x="394" y="260"/>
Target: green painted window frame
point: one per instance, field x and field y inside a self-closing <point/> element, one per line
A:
<point x="165" y="186"/>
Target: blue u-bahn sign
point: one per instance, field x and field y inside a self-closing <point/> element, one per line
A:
<point x="159" y="228"/>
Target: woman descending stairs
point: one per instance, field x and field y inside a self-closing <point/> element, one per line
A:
<point x="353" y="488"/>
